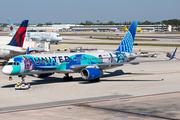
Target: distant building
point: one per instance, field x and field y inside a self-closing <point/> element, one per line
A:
<point x="56" y="28"/>
<point x="97" y="28"/>
<point x="115" y="28"/>
<point x="94" y="28"/>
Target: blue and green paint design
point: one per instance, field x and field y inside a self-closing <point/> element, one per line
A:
<point x="29" y="63"/>
<point x="53" y="63"/>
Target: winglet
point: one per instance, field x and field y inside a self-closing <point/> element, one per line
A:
<point x="173" y="54"/>
<point x="27" y="51"/>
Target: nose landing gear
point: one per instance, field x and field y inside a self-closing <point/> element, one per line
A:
<point x="22" y="85"/>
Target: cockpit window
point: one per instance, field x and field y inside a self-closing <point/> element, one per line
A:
<point x="12" y="63"/>
<point x="58" y="36"/>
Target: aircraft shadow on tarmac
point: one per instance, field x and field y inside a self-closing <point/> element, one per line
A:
<point x="119" y="73"/>
<point x="49" y="80"/>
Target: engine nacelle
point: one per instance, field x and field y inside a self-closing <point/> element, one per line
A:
<point x="42" y="75"/>
<point x="91" y="73"/>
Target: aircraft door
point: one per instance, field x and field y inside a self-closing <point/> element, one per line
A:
<point x="22" y="66"/>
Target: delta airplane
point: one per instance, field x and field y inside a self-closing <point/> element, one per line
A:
<point x="89" y="64"/>
<point x="14" y="47"/>
<point x="39" y="36"/>
<point x="138" y="29"/>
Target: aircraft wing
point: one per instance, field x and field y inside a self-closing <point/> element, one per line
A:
<point x="103" y="66"/>
<point x="144" y="55"/>
<point x="78" y="68"/>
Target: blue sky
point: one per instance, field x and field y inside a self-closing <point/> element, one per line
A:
<point x="70" y="11"/>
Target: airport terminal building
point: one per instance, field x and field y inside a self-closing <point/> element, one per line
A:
<point x="94" y="28"/>
<point x="116" y="28"/>
<point x="101" y="28"/>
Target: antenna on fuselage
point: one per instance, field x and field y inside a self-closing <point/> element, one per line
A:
<point x="27" y="52"/>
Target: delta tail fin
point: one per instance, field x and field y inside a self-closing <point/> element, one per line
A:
<point x="128" y="40"/>
<point x="11" y="28"/>
<point x="18" y="38"/>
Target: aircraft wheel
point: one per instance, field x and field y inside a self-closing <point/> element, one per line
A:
<point x="95" y="80"/>
<point x="70" y="78"/>
<point x="67" y="78"/>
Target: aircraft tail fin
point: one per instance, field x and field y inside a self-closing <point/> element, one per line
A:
<point x="18" y="38"/>
<point x="11" y="27"/>
<point x="128" y="40"/>
<point x="125" y="28"/>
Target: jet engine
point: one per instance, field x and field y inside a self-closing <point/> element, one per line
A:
<point x="42" y="75"/>
<point x="91" y="73"/>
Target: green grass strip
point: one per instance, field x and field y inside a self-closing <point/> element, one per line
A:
<point x="122" y="38"/>
<point x="89" y="43"/>
<point x="163" y="45"/>
<point x="136" y="44"/>
<point x="91" y="34"/>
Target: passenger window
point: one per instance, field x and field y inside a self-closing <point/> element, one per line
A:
<point x="16" y="63"/>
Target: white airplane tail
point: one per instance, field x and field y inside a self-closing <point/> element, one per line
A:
<point x="11" y="28"/>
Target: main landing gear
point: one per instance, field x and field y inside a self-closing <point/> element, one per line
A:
<point x="67" y="77"/>
<point x="22" y="85"/>
<point x="95" y="80"/>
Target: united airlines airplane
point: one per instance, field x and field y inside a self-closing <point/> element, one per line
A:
<point x="39" y="36"/>
<point x="89" y="64"/>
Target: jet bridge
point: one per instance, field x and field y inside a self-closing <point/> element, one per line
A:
<point x="39" y="46"/>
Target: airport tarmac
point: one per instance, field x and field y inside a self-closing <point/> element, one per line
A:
<point x="147" y="40"/>
<point x="145" y="91"/>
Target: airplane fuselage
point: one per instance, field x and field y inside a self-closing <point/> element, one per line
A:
<point x="60" y="62"/>
<point x="7" y="51"/>
<point x="45" y="36"/>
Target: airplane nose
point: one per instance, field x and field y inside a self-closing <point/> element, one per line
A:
<point x="7" y="70"/>
<point x="60" y="38"/>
